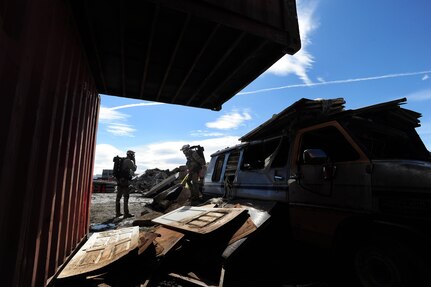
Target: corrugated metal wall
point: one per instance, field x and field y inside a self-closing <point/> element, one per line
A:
<point x="48" y="120"/>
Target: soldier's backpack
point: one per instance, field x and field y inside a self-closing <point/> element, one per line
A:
<point x="200" y="150"/>
<point x="118" y="172"/>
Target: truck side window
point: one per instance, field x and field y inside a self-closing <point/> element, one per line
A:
<point x="217" y="169"/>
<point x="282" y="153"/>
<point x="256" y="156"/>
<point x="332" y="142"/>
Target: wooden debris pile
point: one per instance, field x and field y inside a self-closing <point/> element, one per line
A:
<point x="192" y="244"/>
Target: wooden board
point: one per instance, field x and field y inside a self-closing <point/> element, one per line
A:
<point x="167" y="240"/>
<point x="101" y="249"/>
<point x="199" y="219"/>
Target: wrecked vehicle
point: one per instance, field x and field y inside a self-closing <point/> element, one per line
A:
<point x="355" y="182"/>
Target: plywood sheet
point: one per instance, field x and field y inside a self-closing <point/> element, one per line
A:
<point x="167" y="240"/>
<point x="199" y="219"/>
<point x="101" y="249"/>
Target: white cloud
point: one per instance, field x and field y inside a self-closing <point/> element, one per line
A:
<point x="296" y="64"/>
<point x="135" y="105"/>
<point x="162" y="155"/>
<point x="302" y="60"/>
<point x="203" y="133"/>
<point x="229" y="121"/>
<point x="426" y="77"/>
<point x="104" y="155"/>
<point x="114" y="122"/>
<point x="108" y="115"/>
<point x="423" y="95"/>
<point x="167" y="155"/>
<point x="112" y="117"/>
<point x="335" y="82"/>
<point x="120" y="129"/>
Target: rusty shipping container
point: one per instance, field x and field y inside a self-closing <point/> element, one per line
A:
<point x="56" y="56"/>
<point x="48" y="126"/>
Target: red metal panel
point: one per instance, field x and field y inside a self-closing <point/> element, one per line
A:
<point x="39" y="214"/>
<point x="45" y="223"/>
<point x="63" y="137"/>
<point x="47" y="147"/>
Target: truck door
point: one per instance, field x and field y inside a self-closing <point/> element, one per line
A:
<point x="262" y="172"/>
<point x="330" y="181"/>
<point x="329" y="169"/>
<point x="221" y="173"/>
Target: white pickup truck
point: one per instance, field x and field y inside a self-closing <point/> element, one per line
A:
<point x="356" y="182"/>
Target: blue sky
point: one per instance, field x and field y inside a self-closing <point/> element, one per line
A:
<point x="366" y="52"/>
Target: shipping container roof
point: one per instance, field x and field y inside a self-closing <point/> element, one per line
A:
<point x="196" y="53"/>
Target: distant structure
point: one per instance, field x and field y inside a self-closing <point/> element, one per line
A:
<point x="108" y="174"/>
<point x="105" y="183"/>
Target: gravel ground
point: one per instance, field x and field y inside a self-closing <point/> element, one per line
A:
<point x="103" y="207"/>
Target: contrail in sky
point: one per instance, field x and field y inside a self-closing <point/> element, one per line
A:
<point x="337" y="82"/>
<point x="134" y="105"/>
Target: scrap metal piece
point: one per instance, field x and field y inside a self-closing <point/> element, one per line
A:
<point x="162" y="185"/>
<point x="258" y="218"/>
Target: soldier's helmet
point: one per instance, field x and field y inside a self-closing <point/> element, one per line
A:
<point x="130" y="152"/>
<point x="185" y="147"/>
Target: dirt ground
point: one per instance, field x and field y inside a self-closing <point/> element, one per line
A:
<point x="102" y="207"/>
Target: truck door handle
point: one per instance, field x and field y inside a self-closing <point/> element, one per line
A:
<point x="329" y="171"/>
<point x="278" y="178"/>
<point x="294" y="177"/>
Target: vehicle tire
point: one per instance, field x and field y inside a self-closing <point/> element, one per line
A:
<point x="385" y="262"/>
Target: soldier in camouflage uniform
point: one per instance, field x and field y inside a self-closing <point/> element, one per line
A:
<point x="129" y="167"/>
<point x="194" y="165"/>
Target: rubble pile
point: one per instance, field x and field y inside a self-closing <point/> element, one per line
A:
<point x="150" y="178"/>
<point x="173" y="242"/>
<point x="188" y="246"/>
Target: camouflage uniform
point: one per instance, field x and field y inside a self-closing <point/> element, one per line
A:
<point x="123" y="186"/>
<point x="194" y="165"/>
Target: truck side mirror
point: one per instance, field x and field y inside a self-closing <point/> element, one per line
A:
<point x="314" y="156"/>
